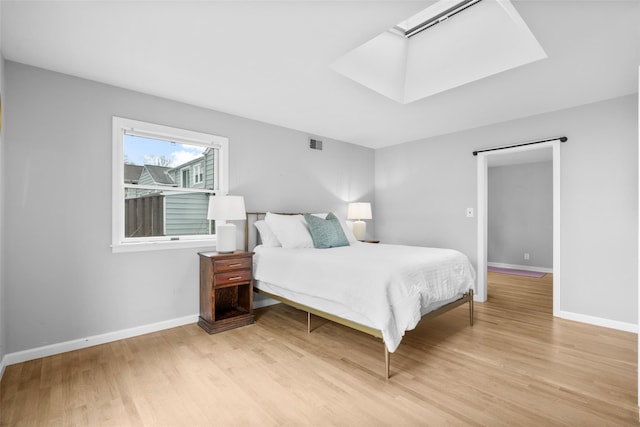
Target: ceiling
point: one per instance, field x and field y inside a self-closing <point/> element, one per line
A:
<point x="270" y="60"/>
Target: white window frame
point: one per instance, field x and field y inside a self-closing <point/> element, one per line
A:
<point x="197" y="173"/>
<point x="120" y="243"/>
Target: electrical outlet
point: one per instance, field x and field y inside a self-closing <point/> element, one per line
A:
<point x="469" y="212"/>
<point x="526" y="256"/>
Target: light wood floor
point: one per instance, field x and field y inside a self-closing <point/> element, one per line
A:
<point x="516" y="366"/>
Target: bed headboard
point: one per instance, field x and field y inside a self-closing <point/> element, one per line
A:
<point x="251" y="235"/>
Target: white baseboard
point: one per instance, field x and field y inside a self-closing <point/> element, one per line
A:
<point x="576" y="317"/>
<point x="50" y="350"/>
<point x="520" y="267"/>
<point x="63" y="347"/>
<point x="599" y="321"/>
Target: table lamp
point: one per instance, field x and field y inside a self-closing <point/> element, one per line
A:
<point x="226" y="208"/>
<point x="359" y="211"/>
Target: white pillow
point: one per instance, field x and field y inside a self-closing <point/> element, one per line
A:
<point x="291" y="230"/>
<point x="267" y="238"/>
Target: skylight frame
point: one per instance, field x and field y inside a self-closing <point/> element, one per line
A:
<point x="487" y="40"/>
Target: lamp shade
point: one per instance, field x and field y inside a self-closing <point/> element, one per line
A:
<point x="226" y="208"/>
<point x="358" y="211"/>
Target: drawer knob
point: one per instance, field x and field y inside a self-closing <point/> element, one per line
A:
<point x="235" y="265"/>
<point x="235" y="278"/>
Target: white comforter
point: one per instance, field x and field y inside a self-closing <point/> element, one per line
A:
<point x="389" y="285"/>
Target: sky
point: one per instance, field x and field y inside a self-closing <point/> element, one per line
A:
<point x="141" y="151"/>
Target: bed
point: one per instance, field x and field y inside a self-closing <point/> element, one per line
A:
<point x="380" y="289"/>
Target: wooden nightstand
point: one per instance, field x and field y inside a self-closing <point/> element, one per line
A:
<point x="226" y="290"/>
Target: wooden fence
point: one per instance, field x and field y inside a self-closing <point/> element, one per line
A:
<point x="144" y="216"/>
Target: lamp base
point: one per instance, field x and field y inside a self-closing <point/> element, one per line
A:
<point x="359" y="230"/>
<point x="226" y="235"/>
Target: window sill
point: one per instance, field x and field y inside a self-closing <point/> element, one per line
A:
<point x="162" y="245"/>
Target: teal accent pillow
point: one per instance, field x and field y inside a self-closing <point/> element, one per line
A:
<point x="326" y="233"/>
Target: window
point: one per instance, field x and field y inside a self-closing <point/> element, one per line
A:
<point x="162" y="180"/>
<point x="185" y="178"/>
<point x="197" y="173"/>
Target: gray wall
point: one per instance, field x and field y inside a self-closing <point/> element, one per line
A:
<point x="62" y="280"/>
<point x="3" y="323"/>
<point x="520" y="214"/>
<point x="423" y="188"/>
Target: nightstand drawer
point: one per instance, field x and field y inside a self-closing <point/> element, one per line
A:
<point x="232" y="264"/>
<point x="232" y="278"/>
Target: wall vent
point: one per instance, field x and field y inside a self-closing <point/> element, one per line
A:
<point x="315" y="144"/>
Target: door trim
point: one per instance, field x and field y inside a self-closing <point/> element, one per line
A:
<point x="482" y="192"/>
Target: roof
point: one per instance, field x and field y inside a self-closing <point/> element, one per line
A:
<point x="132" y="173"/>
<point x="159" y="174"/>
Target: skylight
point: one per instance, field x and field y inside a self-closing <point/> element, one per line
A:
<point x="432" y="16"/>
<point x="417" y="58"/>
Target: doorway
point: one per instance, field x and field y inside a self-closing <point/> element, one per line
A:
<point x="484" y="160"/>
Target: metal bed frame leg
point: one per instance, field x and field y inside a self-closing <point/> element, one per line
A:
<point x="308" y="322"/>
<point x="386" y="361"/>
<point x="471" y="307"/>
